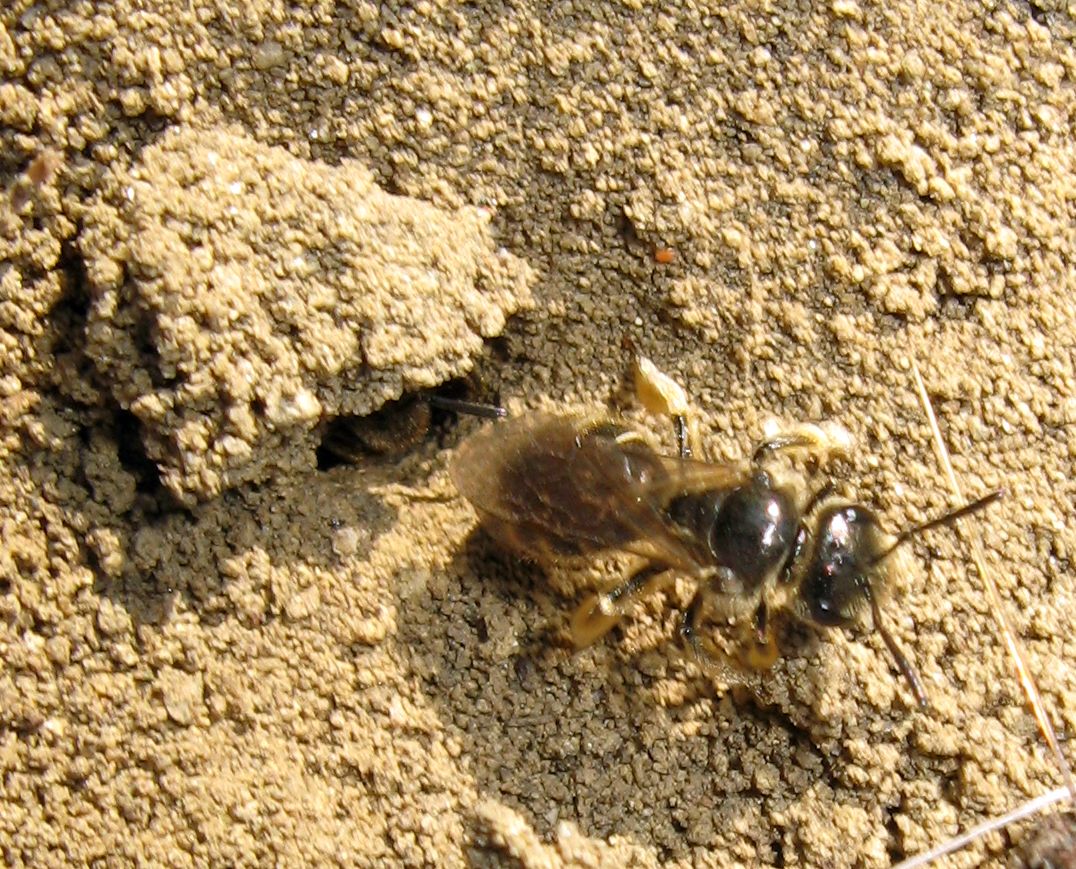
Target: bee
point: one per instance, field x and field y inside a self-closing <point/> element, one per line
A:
<point x="753" y="536"/>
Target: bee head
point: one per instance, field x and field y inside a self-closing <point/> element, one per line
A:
<point x="847" y="548"/>
<point x="845" y="563"/>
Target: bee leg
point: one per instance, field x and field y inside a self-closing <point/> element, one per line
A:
<point x="760" y="652"/>
<point x="821" y="443"/>
<point x="783" y="443"/>
<point x="683" y="437"/>
<point x="599" y="613"/>
<point x="827" y="489"/>
<point x="903" y="664"/>
<point x="755" y="651"/>
<point x="689" y="626"/>
<point x="660" y="394"/>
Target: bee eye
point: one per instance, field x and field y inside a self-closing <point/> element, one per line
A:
<point x="834" y="585"/>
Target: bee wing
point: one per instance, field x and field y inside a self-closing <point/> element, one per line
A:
<point x="557" y="488"/>
<point x="689" y="476"/>
<point x="679" y="477"/>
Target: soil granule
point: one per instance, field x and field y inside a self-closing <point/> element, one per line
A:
<point x="224" y="228"/>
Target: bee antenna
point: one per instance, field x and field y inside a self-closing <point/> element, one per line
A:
<point x="948" y="519"/>
<point x="470" y="408"/>
<point x="903" y="664"/>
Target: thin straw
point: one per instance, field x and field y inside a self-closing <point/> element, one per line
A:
<point x="1016" y="651"/>
<point x="1029" y="808"/>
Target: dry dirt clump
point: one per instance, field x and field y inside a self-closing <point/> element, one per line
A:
<point x="223" y="222"/>
<point x="239" y="296"/>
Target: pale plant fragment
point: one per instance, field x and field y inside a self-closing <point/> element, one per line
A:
<point x="1016" y="652"/>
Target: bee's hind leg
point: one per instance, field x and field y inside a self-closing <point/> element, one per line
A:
<point x="599" y="613"/>
<point x="660" y="394"/>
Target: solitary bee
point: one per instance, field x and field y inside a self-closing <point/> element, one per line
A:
<point x="755" y="537"/>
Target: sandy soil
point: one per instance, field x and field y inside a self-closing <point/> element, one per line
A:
<point x="222" y="228"/>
